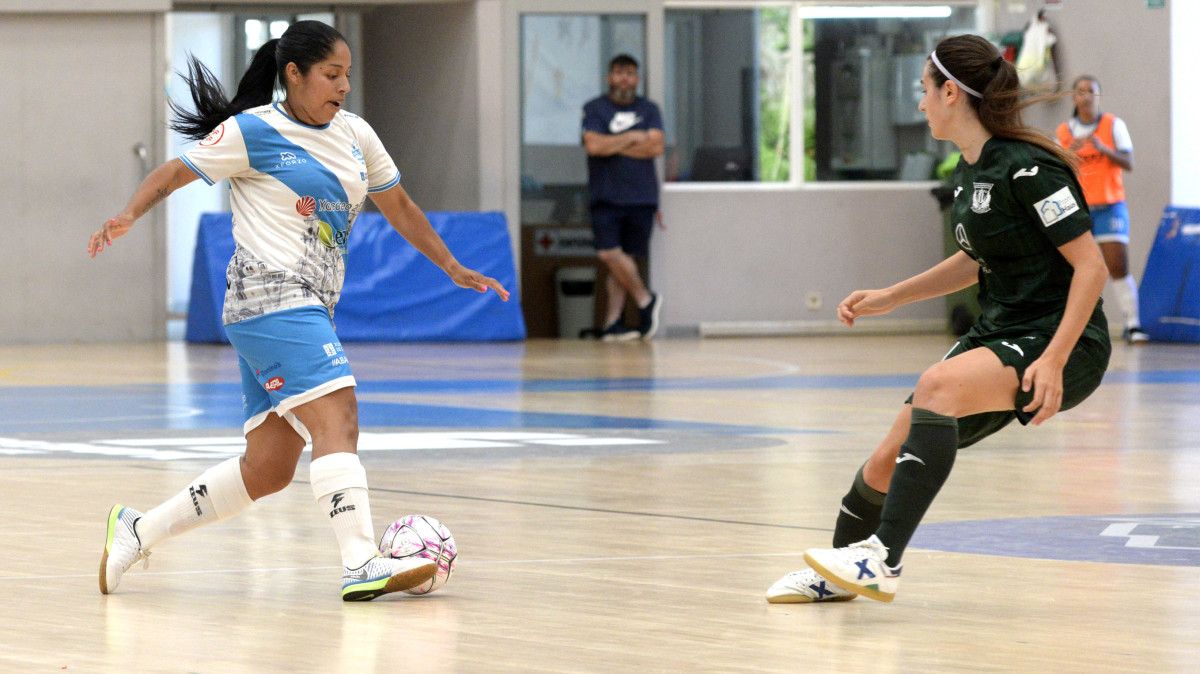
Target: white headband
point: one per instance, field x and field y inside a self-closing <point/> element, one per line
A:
<point x="933" y="57"/>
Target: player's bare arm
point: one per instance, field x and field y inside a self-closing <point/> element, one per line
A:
<point x="161" y="182"/>
<point x="409" y="220"/>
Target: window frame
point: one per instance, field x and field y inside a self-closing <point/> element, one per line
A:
<point x="796" y="180"/>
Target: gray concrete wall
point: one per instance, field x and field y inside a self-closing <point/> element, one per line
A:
<point x="79" y="93"/>
<point x="422" y="98"/>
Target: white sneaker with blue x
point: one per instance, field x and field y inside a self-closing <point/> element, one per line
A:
<point x="859" y="568"/>
<point x="805" y="587"/>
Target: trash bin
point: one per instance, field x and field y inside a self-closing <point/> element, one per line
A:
<point x="962" y="306"/>
<point x="575" y="288"/>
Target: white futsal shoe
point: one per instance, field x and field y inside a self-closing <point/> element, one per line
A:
<point x="805" y="587"/>
<point x="122" y="548"/>
<point x="857" y="568"/>
<point x="382" y="575"/>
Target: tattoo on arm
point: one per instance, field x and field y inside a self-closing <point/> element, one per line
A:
<point x="159" y="195"/>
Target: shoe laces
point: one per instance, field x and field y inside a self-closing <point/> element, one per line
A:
<point x="872" y="545"/>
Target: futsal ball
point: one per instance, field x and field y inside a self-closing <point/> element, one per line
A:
<point x="421" y="536"/>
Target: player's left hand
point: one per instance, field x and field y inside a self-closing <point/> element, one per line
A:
<point x="469" y="278"/>
<point x="1044" y="378"/>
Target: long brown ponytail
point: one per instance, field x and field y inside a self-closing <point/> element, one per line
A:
<point x="975" y="62"/>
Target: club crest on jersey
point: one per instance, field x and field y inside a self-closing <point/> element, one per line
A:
<point x="981" y="198"/>
<point x="214" y="136"/>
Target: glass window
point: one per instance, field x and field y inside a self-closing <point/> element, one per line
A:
<point x="727" y="104"/>
<point x="863" y="83"/>
<point x="564" y="64"/>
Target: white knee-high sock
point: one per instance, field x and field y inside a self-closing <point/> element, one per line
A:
<point x="217" y="494"/>
<point x="1127" y="297"/>
<point x="339" y="482"/>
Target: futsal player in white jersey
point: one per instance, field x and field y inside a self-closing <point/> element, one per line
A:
<point x="300" y="171"/>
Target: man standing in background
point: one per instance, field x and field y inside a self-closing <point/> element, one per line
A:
<point x="622" y="134"/>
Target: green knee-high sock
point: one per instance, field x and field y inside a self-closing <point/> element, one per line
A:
<point x="925" y="460"/>
<point x="858" y="517"/>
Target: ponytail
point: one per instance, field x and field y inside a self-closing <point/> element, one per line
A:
<point x="975" y="62"/>
<point x="303" y="43"/>
<point x="256" y="88"/>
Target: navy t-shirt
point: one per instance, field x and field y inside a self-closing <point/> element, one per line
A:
<point x="617" y="179"/>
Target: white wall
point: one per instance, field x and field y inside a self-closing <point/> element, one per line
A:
<point x="1185" y="101"/>
<point x="1127" y="46"/>
<point x="422" y="98"/>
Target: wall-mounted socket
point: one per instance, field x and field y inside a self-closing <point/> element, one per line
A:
<point x="813" y="300"/>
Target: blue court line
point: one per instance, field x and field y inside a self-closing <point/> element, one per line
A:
<point x="1170" y="539"/>
<point x="218" y="405"/>
<point x="215" y="405"/>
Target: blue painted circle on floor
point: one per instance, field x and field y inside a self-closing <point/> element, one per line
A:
<point x="1170" y="539"/>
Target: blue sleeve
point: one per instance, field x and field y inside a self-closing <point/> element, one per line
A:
<point x="592" y="121"/>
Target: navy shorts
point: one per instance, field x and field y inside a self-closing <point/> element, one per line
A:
<point x="624" y="227"/>
<point x="287" y="358"/>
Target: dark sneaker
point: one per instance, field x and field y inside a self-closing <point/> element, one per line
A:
<point x="649" y="316"/>
<point x="1135" y="336"/>
<point x="619" y="332"/>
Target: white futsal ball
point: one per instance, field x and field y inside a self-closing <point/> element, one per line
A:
<point x="421" y="536"/>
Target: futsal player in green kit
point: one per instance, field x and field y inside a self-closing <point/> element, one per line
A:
<point x="1040" y="346"/>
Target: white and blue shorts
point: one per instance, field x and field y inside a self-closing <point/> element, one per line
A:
<point x="1110" y="222"/>
<point x="287" y="358"/>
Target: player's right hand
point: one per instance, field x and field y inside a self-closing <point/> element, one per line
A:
<point x="864" y="303"/>
<point x="113" y="229"/>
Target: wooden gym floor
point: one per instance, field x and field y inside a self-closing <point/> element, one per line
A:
<point x="617" y="508"/>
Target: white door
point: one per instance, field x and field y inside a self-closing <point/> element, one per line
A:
<point x="78" y="94"/>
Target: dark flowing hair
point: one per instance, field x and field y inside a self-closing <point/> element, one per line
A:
<point x="304" y="43"/>
<point x="975" y="62"/>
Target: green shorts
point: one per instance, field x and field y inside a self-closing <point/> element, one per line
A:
<point x="1081" y="375"/>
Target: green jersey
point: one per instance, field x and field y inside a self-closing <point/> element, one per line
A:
<point x="1012" y="209"/>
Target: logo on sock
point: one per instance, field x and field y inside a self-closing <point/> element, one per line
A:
<point x="909" y="457"/>
<point x="198" y="491"/>
<point x="337" y="498"/>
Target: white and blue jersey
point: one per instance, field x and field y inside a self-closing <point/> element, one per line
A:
<point x="296" y="190"/>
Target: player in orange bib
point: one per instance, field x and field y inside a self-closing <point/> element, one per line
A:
<point x="1105" y="151"/>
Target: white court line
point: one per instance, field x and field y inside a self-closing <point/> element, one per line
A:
<point x="468" y="562"/>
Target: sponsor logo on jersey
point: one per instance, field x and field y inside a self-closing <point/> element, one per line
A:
<point x="1056" y="206"/>
<point x="623" y="121"/>
<point x="306" y="206"/>
<point x="981" y="198"/>
<point x="268" y="369"/>
<point x="909" y="457"/>
<point x="289" y="159"/>
<point x="332" y="206"/>
<point x="340" y="360"/>
<point x="214" y="136"/>
<point x="357" y="153"/>
<point x="1025" y="173"/>
<point x="274" y="384"/>
<point x="332" y="349"/>
<point x="960" y="235"/>
<point x="957" y="190"/>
